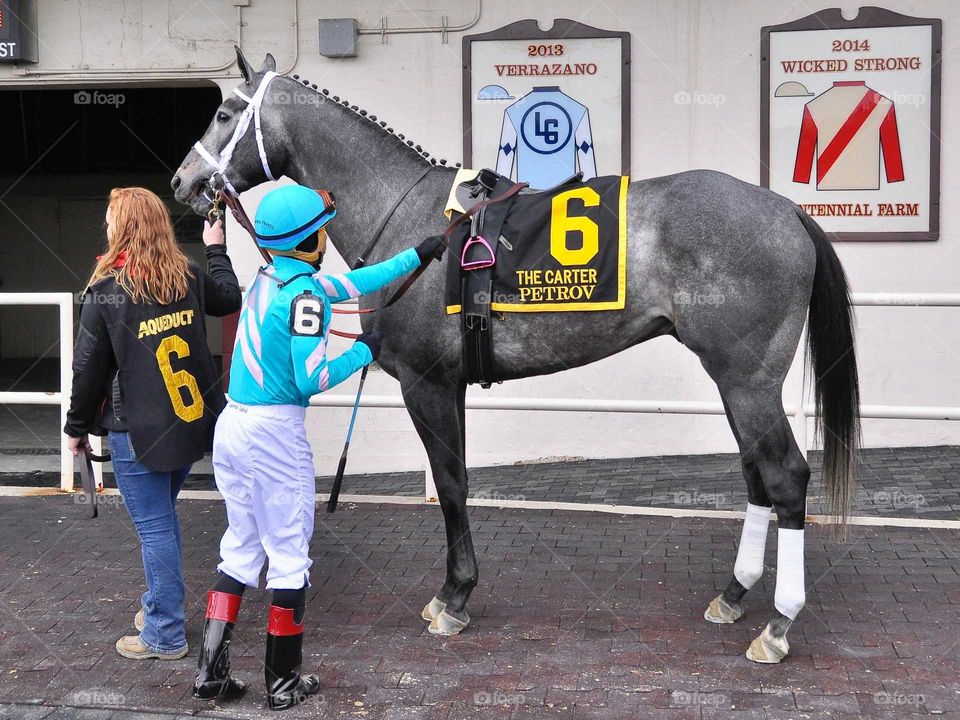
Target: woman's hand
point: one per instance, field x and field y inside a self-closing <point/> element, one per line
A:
<point x="75" y="443"/>
<point x="213" y="234"/>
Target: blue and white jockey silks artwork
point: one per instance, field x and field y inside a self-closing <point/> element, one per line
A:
<point x="546" y="138"/>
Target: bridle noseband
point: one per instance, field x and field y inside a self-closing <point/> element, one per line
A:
<point x="252" y="110"/>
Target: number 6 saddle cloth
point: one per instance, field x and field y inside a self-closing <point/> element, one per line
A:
<point x="556" y="250"/>
<point x="168" y="379"/>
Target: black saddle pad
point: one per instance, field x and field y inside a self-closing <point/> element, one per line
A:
<point x="565" y="250"/>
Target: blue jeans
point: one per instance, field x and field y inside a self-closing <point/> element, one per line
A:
<point x="151" y="499"/>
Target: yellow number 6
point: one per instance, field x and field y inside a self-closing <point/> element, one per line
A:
<point x="561" y="224"/>
<point x="179" y="379"/>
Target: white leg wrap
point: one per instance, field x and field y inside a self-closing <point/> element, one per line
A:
<point x="790" y="595"/>
<point x="753" y="540"/>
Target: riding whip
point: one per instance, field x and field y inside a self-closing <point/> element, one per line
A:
<point x="338" y="481"/>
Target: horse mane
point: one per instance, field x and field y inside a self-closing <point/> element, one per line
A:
<point x="363" y="114"/>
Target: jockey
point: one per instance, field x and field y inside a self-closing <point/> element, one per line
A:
<point x="262" y="461"/>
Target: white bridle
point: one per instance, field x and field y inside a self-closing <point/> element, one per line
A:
<point x="251" y="110"/>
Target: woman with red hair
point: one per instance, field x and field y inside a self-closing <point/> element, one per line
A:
<point x="144" y="376"/>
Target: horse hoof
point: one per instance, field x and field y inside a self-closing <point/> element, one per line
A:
<point x="721" y="612"/>
<point x="447" y="625"/>
<point x="767" y="648"/>
<point x="432" y="609"/>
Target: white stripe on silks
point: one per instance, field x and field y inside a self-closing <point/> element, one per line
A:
<point x="753" y="542"/>
<point x="790" y="595"/>
<point x="263" y="294"/>
<point x="324" y="379"/>
<point x="254" y="333"/>
<point x="350" y="288"/>
<point x="256" y="372"/>
<point x="316" y="357"/>
<point x="328" y="287"/>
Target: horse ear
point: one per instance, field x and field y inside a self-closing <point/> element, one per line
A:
<point x="245" y="68"/>
<point x="269" y="64"/>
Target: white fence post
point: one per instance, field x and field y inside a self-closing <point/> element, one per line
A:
<point x="66" y="383"/>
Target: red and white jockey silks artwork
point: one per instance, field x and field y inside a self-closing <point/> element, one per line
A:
<point x="844" y="129"/>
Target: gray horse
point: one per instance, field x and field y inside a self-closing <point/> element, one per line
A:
<point x="689" y="234"/>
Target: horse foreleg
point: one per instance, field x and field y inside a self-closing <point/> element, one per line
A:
<point x="436" y="408"/>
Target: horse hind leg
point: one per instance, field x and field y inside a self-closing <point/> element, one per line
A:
<point x="771" y="448"/>
<point x="748" y="568"/>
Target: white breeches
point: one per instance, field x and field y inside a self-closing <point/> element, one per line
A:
<point x="753" y="541"/>
<point x="263" y="466"/>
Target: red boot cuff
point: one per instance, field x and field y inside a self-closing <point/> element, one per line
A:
<point x="223" y="606"/>
<point x="282" y="622"/>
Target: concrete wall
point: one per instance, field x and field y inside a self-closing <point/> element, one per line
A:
<point x="711" y="46"/>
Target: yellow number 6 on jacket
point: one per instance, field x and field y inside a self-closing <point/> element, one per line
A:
<point x="179" y="379"/>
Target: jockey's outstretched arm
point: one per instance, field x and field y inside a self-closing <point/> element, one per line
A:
<point x="314" y="373"/>
<point x="366" y="280"/>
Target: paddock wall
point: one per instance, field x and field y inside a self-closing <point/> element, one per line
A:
<point x="907" y="355"/>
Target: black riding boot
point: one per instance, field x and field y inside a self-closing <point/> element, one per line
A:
<point x="213" y="667"/>
<point x="286" y="687"/>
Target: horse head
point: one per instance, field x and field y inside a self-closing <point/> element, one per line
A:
<point x="243" y="143"/>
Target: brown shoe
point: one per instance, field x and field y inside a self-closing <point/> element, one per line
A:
<point x="131" y="647"/>
<point x="138" y="620"/>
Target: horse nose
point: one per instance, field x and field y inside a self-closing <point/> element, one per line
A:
<point x="175" y="182"/>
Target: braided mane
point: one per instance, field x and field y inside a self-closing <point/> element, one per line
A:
<point x="373" y="118"/>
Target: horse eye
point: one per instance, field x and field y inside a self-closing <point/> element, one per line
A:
<point x="222" y="117"/>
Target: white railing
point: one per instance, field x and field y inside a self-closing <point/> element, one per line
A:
<point x="801" y="410"/>
<point x="64" y="301"/>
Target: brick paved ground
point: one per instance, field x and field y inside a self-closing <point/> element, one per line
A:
<point x="577" y="615"/>
<point x="894" y="482"/>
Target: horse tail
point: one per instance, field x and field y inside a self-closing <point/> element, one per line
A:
<point x="830" y="349"/>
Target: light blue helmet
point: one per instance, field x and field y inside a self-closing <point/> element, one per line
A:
<point x="290" y="214"/>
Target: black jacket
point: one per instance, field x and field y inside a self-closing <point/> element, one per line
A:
<point x="159" y="361"/>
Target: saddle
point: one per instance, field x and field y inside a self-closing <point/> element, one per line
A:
<point x="488" y="198"/>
